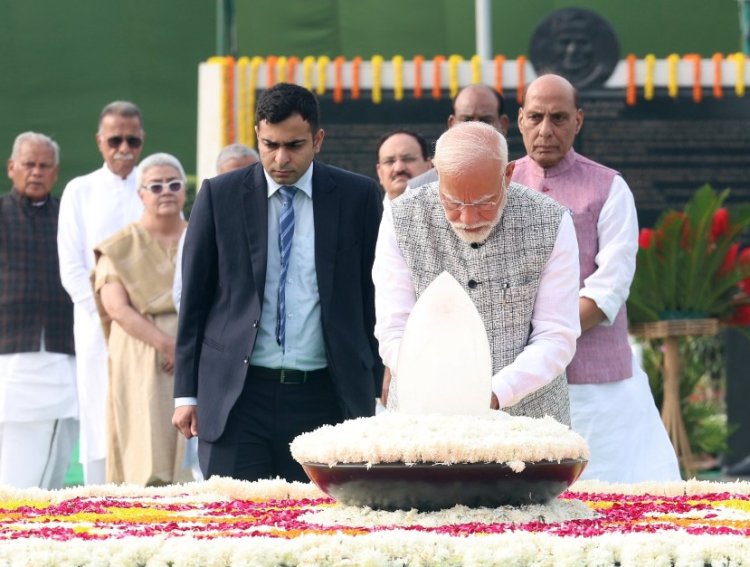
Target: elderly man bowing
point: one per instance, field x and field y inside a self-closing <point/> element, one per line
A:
<point x="514" y="252"/>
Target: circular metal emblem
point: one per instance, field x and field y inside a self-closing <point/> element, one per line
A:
<point x="576" y="43"/>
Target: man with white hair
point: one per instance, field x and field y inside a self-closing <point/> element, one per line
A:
<point x="235" y="156"/>
<point x="92" y="208"/>
<point x="38" y="406"/>
<point x="513" y="251"/>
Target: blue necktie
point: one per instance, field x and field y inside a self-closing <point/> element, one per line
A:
<point x="286" y="233"/>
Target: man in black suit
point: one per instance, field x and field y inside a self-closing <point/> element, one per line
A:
<point x="276" y="323"/>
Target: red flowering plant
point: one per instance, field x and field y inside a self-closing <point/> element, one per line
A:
<point x="690" y="264"/>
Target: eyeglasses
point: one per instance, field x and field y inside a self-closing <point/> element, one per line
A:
<point x="116" y="141"/>
<point x="452" y="206"/>
<point x="391" y="161"/>
<point x="157" y="188"/>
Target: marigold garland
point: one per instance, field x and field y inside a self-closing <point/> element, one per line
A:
<point x="476" y="69"/>
<point x="630" y="92"/>
<point x="307" y="72"/>
<point x="252" y="88"/>
<point x="648" y="84"/>
<point x="323" y="62"/>
<point x="230" y="86"/>
<point x="673" y="88"/>
<point x="398" y="77"/>
<point x="437" y="85"/>
<point x="521" y="86"/>
<point x="242" y="101"/>
<point x="338" y="86"/>
<point x="697" y="62"/>
<point x="377" y="79"/>
<point x="356" y="68"/>
<point x="239" y="80"/>
<point x="418" y="62"/>
<point x="499" y="63"/>
<point x="739" y="81"/>
<point x="271" y="71"/>
<point x="291" y="69"/>
<point x="718" y="60"/>
<point x="453" y="62"/>
<point x="281" y="68"/>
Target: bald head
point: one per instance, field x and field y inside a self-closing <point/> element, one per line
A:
<point x="479" y="103"/>
<point x="549" y="119"/>
<point x="552" y="84"/>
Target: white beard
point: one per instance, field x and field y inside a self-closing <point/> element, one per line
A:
<point x="485" y="227"/>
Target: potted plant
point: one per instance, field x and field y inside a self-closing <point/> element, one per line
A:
<point x="690" y="276"/>
<point x="689" y="265"/>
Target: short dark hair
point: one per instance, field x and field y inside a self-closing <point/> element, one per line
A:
<point x="498" y="96"/>
<point x="418" y="137"/>
<point x="283" y="100"/>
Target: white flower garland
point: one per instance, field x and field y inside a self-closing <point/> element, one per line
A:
<point x="394" y="437"/>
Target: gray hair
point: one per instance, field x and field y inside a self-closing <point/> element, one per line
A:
<point x="35" y="138"/>
<point x="465" y="144"/>
<point x="121" y="108"/>
<point x="235" y="151"/>
<point x="156" y="160"/>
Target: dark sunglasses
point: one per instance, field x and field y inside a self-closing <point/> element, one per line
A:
<point x="157" y="188"/>
<point x="116" y="141"/>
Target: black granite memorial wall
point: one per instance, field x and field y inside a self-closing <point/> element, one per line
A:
<point x="664" y="148"/>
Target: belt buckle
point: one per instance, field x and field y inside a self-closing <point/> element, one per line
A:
<point x="284" y="379"/>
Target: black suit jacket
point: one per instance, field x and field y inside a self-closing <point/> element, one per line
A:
<point x="224" y="273"/>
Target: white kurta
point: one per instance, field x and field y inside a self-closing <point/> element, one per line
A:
<point x="619" y="420"/>
<point x="555" y="320"/>
<point x="92" y="208"/>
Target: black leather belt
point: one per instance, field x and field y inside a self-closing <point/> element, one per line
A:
<point x="285" y="375"/>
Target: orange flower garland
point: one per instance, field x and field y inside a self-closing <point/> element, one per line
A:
<point x="717" y="60"/>
<point x="630" y="92"/>
<point x="436" y="78"/>
<point x="229" y="83"/>
<point x="418" y="62"/>
<point x="697" y="86"/>
<point x="356" y="66"/>
<point x="338" y="87"/>
<point x="271" y="71"/>
<point x="521" y="87"/>
<point x="499" y="62"/>
<point x="291" y="69"/>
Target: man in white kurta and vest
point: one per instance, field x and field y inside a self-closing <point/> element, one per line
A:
<point x="38" y="404"/>
<point x="513" y="251"/>
<point x="611" y="402"/>
<point x="92" y="208"/>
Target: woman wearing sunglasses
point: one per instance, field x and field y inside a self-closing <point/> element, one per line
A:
<point x="133" y="287"/>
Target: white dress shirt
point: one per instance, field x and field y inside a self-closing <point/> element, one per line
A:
<point x="555" y="319"/>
